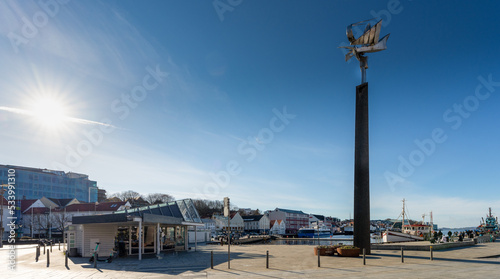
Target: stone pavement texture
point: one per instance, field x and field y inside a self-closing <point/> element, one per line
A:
<point x="249" y="261"/>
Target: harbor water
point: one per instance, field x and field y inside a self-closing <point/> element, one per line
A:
<point x="332" y="240"/>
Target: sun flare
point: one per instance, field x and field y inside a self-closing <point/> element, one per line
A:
<point x="50" y="113"/>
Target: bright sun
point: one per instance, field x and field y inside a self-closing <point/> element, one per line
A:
<point x="49" y="112"/>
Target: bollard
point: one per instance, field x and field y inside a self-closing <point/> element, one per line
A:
<point x="95" y="260"/>
<point x="37" y="253"/>
<point x="432" y="258"/>
<point x="402" y="255"/>
<point x="364" y="256"/>
<point x="44" y="248"/>
<point x="267" y="259"/>
<point x="51" y="246"/>
<point x="48" y="258"/>
<point x="212" y="259"/>
<point x="66" y="258"/>
<point x="59" y="245"/>
<point x="319" y="265"/>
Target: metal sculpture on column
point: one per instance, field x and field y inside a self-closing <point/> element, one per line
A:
<point x="366" y="43"/>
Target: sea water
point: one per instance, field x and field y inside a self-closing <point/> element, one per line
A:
<point x="332" y="240"/>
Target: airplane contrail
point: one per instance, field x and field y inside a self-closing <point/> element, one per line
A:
<point x="69" y="119"/>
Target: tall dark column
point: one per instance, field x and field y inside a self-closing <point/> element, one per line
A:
<point x="362" y="171"/>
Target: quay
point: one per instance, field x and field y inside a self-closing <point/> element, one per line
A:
<point x="249" y="261"/>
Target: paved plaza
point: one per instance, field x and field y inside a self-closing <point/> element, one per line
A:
<point x="249" y="261"/>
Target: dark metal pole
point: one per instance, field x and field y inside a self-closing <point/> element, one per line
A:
<point x="48" y="258"/>
<point x="37" y="253"/>
<point x="319" y="265"/>
<point x="432" y="256"/>
<point x="44" y="248"/>
<point x="66" y="259"/>
<point x="212" y="259"/>
<point x="364" y="256"/>
<point x="267" y="259"/>
<point x="402" y="255"/>
<point x="362" y="171"/>
<point x="97" y="256"/>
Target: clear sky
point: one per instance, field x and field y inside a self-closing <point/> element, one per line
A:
<point x="254" y="100"/>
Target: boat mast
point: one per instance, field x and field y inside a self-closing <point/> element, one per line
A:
<point x="432" y="224"/>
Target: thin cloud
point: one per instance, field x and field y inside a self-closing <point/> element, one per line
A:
<point x="68" y="119"/>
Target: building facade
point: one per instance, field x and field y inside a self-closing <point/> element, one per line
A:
<point x="47" y="218"/>
<point x="145" y="230"/>
<point x="236" y="223"/>
<point x="256" y="223"/>
<point x="33" y="183"/>
<point x="277" y="227"/>
<point x="294" y="219"/>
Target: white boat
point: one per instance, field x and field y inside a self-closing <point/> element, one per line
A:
<point x="392" y="236"/>
<point x="409" y="232"/>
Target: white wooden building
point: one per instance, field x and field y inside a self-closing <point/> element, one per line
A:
<point x="138" y="231"/>
<point x="277" y="227"/>
<point x="256" y="223"/>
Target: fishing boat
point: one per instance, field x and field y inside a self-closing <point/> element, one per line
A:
<point x="408" y="232"/>
<point x="313" y="232"/>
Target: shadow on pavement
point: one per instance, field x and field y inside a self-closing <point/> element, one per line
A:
<point x="440" y="259"/>
<point x="169" y="263"/>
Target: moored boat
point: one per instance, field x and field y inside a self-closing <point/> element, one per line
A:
<point x="490" y="225"/>
<point x="313" y="232"/>
<point x="409" y="232"/>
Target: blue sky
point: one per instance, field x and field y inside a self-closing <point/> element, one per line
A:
<point x="253" y="100"/>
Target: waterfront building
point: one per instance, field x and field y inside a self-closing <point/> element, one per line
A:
<point x="256" y="223"/>
<point x="137" y="231"/>
<point x="277" y="227"/>
<point x="236" y="223"/>
<point x="294" y="219"/>
<point x="209" y="224"/>
<point x="33" y="183"/>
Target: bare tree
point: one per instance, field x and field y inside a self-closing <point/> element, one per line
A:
<point x="59" y="220"/>
<point x="126" y="195"/>
<point x="156" y="198"/>
<point x="28" y="222"/>
<point x="40" y="223"/>
<point x="206" y="208"/>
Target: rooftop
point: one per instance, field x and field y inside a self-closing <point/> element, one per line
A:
<point x="290" y="211"/>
